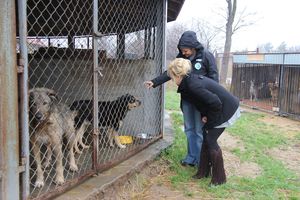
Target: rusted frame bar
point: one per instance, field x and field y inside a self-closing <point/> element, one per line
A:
<point x="9" y="131"/>
<point x="97" y="72"/>
<point x="161" y="33"/>
<point x="23" y="94"/>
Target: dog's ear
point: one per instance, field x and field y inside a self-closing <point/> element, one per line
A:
<point x="52" y="94"/>
<point x="129" y="97"/>
<point x="123" y="100"/>
<point x="123" y="97"/>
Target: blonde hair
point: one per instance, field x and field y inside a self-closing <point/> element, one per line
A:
<point x="179" y="67"/>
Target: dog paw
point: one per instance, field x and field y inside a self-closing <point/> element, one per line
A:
<point x="73" y="168"/>
<point x="46" y="164"/>
<point x="122" y="146"/>
<point x="86" y="146"/>
<point x="78" y="151"/>
<point x="39" y="183"/>
<point x="59" y="180"/>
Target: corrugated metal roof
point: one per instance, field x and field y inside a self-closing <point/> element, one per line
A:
<point x="272" y="58"/>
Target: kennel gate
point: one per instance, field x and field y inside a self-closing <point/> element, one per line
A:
<point x="65" y="49"/>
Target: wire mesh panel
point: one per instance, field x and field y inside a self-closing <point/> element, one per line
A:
<point x="129" y="115"/>
<point x="60" y="71"/>
<point x="62" y="48"/>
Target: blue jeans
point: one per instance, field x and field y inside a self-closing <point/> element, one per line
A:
<point x="193" y="130"/>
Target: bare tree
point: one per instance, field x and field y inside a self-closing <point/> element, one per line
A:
<point x="207" y="34"/>
<point x="265" y="48"/>
<point x="294" y="49"/>
<point x="234" y="23"/>
<point x="174" y="32"/>
<point x="282" y="47"/>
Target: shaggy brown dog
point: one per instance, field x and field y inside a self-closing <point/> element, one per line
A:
<point x="50" y="122"/>
<point x="274" y="90"/>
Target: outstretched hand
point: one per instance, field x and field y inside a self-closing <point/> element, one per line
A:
<point x="148" y="84"/>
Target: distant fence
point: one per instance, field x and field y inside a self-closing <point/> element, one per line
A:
<point x="268" y="81"/>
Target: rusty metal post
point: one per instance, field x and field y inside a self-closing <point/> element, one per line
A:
<point x="164" y="63"/>
<point x="95" y="84"/>
<point x="23" y="88"/>
<point x="161" y="49"/>
<point x="9" y="158"/>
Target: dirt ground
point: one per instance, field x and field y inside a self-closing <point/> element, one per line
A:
<point x="152" y="183"/>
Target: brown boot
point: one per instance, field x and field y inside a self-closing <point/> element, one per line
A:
<point x="204" y="168"/>
<point x="218" y="171"/>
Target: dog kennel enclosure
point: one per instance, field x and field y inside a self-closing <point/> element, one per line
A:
<point x="268" y="81"/>
<point x="81" y="50"/>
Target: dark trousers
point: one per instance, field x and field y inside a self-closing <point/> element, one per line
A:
<point x="211" y="136"/>
<point x="211" y="159"/>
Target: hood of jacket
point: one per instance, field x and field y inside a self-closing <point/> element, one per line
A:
<point x="189" y="40"/>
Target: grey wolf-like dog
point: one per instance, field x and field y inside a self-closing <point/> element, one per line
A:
<point x="51" y="121"/>
<point x="253" y="90"/>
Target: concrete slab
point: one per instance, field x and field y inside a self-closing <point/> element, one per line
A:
<point x="106" y="182"/>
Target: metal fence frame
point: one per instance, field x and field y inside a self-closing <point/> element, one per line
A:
<point x="14" y="118"/>
<point x="9" y="127"/>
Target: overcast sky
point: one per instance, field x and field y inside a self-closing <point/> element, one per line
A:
<point x="278" y="20"/>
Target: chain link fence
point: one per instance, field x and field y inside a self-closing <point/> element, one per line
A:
<point x="268" y="81"/>
<point x="75" y="70"/>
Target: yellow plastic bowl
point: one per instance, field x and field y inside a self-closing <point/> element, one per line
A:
<point x="125" y="139"/>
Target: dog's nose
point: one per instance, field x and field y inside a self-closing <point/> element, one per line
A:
<point x="38" y="116"/>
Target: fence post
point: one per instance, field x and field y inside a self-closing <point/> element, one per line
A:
<point x="23" y="88"/>
<point x="161" y="49"/>
<point x="96" y="74"/>
<point x="9" y="131"/>
<point x="281" y="85"/>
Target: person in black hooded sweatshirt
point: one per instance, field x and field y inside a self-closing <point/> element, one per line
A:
<point x="203" y="63"/>
<point x="219" y="109"/>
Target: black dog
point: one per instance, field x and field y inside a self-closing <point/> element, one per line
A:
<point x="111" y="114"/>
